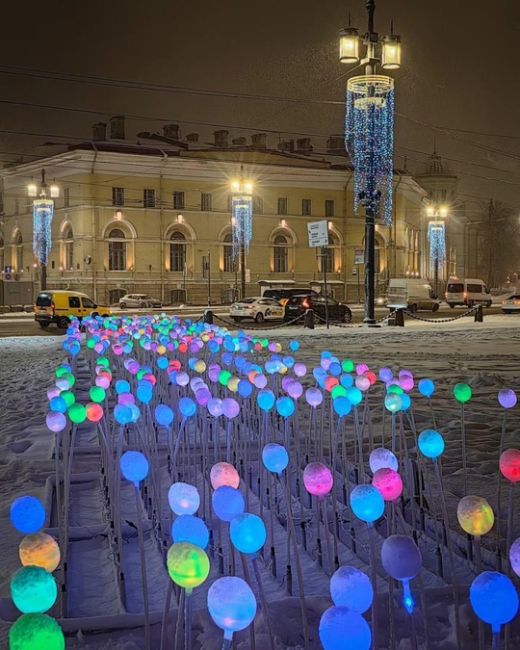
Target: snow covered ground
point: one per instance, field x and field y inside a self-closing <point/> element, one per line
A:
<point x="485" y="355"/>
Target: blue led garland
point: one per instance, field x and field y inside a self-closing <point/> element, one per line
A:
<point x="43" y="211"/>
<point x="242" y="211"/>
<point x="369" y="140"/>
<point x="437" y="240"/>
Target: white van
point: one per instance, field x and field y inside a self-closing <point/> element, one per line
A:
<point x="414" y="294"/>
<point x="467" y="292"/>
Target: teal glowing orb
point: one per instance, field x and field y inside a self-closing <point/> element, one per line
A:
<point x="33" y="590"/>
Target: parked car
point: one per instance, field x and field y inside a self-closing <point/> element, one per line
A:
<point x="298" y="305"/>
<point x="511" y="304"/>
<point x="56" y="306"/>
<point x="413" y="294"/>
<point x="282" y="294"/>
<point x="257" y="309"/>
<point x="139" y="300"/>
<point x="467" y="292"/>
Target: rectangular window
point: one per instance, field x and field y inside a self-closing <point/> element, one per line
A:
<point x="329" y="207"/>
<point x="282" y="205"/>
<point x="74" y="302"/>
<point x="66" y="197"/>
<point x="306" y="207"/>
<point x="258" y="205"/>
<point x="206" y="201"/>
<point x="178" y="200"/>
<point x="118" y="196"/>
<point x="149" y="198"/>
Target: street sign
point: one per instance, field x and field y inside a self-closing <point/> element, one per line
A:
<point x="359" y="256"/>
<point x="318" y="234"/>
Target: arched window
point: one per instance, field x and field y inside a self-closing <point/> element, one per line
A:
<point x="280" y="254"/>
<point x="177" y="251"/>
<point x="68" y="248"/>
<point x="227" y="254"/>
<point x="116" y="250"/>
<point x="18" y="242"/>
<point x="332" y="252"/>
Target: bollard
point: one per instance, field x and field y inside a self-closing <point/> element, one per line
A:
<point x="479" y="314"/>
<point x="399" y="318"/>
<point x="308" y="321"/>
<point x="208" y="316"/>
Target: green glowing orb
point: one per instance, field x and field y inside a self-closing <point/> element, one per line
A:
<point x="462" y="393"/>
<point x="77" y="413"/>
<point x="347" y="365"/>
<point x="33" y="590"/>
<point x="36" y="632"/>
<point x="68" y="396"/>
<point x="97" y="394"/>
<point x="188" y="565"/>
<point x="394" y="389"/>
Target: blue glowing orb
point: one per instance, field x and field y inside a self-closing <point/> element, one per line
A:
<point x="265" y="400"/>
<point x="341" y="628"/>
<point x="431" y="443"/>
<point x="227" y="503"/>
<point x="285" y="406"/>
<point x="494" y="598"/>
<point x="248" y="533"/>
<point x="27" y="515"/>
<point x="231" y="604"/>
<point x="163" y="415"/>
<point x="367" y="503"/>
<point x="401" y="557"/>
<point x="342" y="406"/>
<point x="187" y="407"/>
<point x="426" y="387"/>
<point x="134" y="466"/>
<point x="188" y="528"/>
<point x="275" y="457"/>
<point x="351" y="588"/>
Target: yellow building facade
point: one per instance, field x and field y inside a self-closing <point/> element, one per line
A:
<point x="155" y="219"/>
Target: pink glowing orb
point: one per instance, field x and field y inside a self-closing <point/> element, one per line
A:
<point x="363" y="383"/>
<point x="224" y="474"/>
<point x="389" y="483"/>
<point x="510" y="465"/>
<point x="300" y="369"/>
<point x="361" y="368"/>
<point x="514" y="556"/>
<point x="317" y="479"/>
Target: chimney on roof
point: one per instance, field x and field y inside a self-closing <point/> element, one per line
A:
<point x="303" y="145"/>
<point x="259" y="140"/>
<point x="239" y="141"/>
<point x="99" y="131"/>
<point x="192" y="137"/>
<point x="221" y="138"/>
<point x="336" y="144"/>
<point x="117" y="127"/>
<point x="171" y="131"/>
<point x="287" y="146"/>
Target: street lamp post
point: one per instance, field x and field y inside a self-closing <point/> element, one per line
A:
<point x="43" y="211"/>
<point x="437" y="238"/>
<point x="242" y="213"/>
<point x="372" y="125"/>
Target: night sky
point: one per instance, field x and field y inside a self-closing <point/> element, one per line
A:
<point x="460" y="71"/>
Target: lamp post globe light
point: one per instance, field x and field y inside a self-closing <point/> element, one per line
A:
<point x="242" y="223"/>
<point x="369" y="133"/>
<point x="436" y="214"/>
<point x="43" y="197"/>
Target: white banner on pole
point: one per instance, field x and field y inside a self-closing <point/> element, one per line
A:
<point x="318" y="233"/>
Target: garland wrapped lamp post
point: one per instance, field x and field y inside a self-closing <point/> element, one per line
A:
<point x="43" y="212"/>
<point x="369" y="134"/>
<point x="242" y="224"/>
<point x="437" y="239"/>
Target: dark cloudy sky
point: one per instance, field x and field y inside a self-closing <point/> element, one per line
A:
<point x="461" y="71"/>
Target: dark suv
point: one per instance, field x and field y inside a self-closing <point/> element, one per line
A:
<point x="298" y="305"/>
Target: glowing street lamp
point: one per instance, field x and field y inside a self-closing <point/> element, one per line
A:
<point x="369" y="134"/>
<point x="43" y="197"/>
<point x="242" y="223"/>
